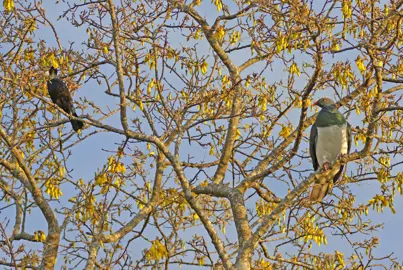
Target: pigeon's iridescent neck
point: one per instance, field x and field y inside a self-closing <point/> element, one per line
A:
<point x="329" y="108"/>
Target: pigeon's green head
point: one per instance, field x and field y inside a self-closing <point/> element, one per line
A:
<point x="324" y="102"/>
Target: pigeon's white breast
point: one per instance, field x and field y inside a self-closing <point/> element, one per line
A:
<point x="330" y="142"/>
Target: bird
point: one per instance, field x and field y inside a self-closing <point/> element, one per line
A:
<point x="330" y="138"/>
<point x="60" y="95"/>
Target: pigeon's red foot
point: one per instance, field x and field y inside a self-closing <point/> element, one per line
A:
<point x="326" y="166"/>
<point x="340" y="156"/>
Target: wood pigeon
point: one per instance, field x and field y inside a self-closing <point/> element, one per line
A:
<point x="60" y="95"/>
<point x="330" y="138"/>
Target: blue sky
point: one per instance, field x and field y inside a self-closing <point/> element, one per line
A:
<point x="90" y="155"/>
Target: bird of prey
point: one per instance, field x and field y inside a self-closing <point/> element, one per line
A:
<point x="60" y="95"/>
<point x="330" y="138"/>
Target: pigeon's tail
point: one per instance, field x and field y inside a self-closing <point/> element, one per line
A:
<point x="77" y="124"/>
<point x="318" y="192"/>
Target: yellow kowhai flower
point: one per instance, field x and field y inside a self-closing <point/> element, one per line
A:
<point x="36" y="236"/>
<point x="77" y="216"/>
<point x="141" y="105"/>
<point x="29" y="55"/>
<point x="204" y="67"/>
<point x="52" y="61"/>
<point x="385" y="161"/>
<point x="281" y="42"/>
<point x="346" y="9"/>
<point x="340" y="258"/>
<point x="400" y="68"/>
<point x="247" y="81"/>
<point x="62" y="171"/>
<point x="238" y="134"/>
<point x="212" y="150"/>
<point x="42" y="236"/>
<point x="157" y="251"/>
<point x="52" y="188"/>
<point x="198" y="34"/>
<point x="294" y="69"/>
<point x="218" y="4"/>
<point x="225" y="80"/>
<point x="360" y="64"/>
<point x="219" y="33"/>
<point x="262" y="103"/>
<point x="101" y="179"/>
<point x="357" y="110"/>
<point x="285" y="131"/>
<point x="8" y="5"/>
<point x="200" y="261"/>
<point x="150" y="86"/>
<point x="359" y="137"/>
<point x="235" y="37"/>
<point x="335" y="46"/>
<point x="120" y="168"/>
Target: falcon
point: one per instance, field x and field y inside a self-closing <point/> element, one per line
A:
<point x="60" y="95"/>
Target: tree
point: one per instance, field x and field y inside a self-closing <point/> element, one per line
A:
<point x="200" y="110"/>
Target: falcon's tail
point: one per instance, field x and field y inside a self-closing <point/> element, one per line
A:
<point x="77" y="124"/>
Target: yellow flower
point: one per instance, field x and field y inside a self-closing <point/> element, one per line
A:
<point x="357" y="110"/>
<point x="157" y="251"/>
<point x="294" y="69"/>
<point x="219" y="33"/>
<point x="101" y="179"/>
<point x="52" y="188"/>
<point x="150" y="86"/>
<point x="400" y="68"/>
<point x="36" y="236"/>
<point x="281" y="42"/>
<point x="212" y="150"/>
<point x="346" y="9"/>
<point x="235" y="37"/>
<point x="53" y="61"/>
<point x="42" y="236"/>
<point x="218" y="4"/>
<point x="62" y="171"/>
<point x="8" y="5"/>
<point x="285" y="131"/>
<point x="200" y="261"/>
<point x="335" y="46"/>
<point x="360" y="65"/>
<point x="203" y="67"/>
<point x="225" y="80"/>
